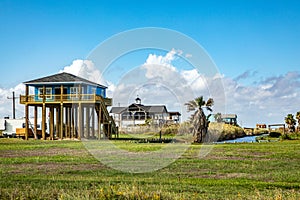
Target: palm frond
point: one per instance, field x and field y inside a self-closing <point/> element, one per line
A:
<point x="209" y="102"/>
<point x="191" y="105"/>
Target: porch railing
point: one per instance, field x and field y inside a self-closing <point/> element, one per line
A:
<point x="65" y="98"/>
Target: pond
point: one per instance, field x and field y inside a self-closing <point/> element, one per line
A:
<point x="247" y="139"/>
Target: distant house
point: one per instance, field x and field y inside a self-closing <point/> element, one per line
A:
<point x="229" y="119"/>
<point x="261" y="126"/>
<point x="137" y="113"/>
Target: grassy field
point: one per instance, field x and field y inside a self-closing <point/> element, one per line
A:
<point x="65" y="170"/>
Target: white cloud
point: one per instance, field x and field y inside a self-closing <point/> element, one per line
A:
<point x="268" y="101"/>
<point x="158" y="81"/>
<point x="194" y="79"/>
<point x="6" y="101"/>
<point x="188" y="55"/>
<point x="85" y="69"/>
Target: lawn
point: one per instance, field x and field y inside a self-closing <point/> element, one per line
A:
<point x="38" y="169"/>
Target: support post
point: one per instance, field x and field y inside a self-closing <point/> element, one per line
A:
<point x="51" y="124"/>
<point x="76" y="120"/>
<point x="66" y="122"/>
<point x="61" y="119"/>
<point x="35" y="120"/>
<point x="61" y="112"/>
<point x="44" y="121"/>
<point x="72" y="121"/>
<point x="87" y="115"/>
<point x="99" y="122"/>
<point x="80" y="131"/>
<point x="26" y="112"/>
<point x="57" y="122"/>
<point x="44" y="114"/>
<point x="69" y="122"/>
<point x="93" y="121"/>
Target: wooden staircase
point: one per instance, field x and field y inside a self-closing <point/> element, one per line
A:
<point x="108" y="124"/>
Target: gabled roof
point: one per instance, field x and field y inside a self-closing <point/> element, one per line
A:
<point x="157" y="109"/>
<point x="150" y="109"/>
<point x="117" y="110"/>
<point x="61" y="78"/>
<point x="230" y="116"/>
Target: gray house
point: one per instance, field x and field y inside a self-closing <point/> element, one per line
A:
<point x="137" y="113"/>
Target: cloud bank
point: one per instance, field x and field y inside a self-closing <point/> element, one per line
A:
<point x="158" y="81"/>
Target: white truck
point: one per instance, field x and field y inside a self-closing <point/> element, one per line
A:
<point x="16" y="128"/>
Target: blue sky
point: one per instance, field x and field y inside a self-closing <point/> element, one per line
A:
<point x="251" y="41"/>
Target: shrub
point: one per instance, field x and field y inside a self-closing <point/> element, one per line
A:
<point x="275" y="134"/>
<point x="170" y="129"/>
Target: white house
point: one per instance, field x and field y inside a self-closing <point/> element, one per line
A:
<point x="137" y="113"/>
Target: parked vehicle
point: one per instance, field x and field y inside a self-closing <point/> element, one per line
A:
<point x="16" y="128"/>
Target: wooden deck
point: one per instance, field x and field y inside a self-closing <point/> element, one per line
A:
<point x="65" y="98"/>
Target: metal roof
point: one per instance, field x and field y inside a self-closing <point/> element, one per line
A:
<point x="231" y="116"/>
<point x="61" y="78"/>
<point x="150" y="109"/>
<point x="117" y="110"/>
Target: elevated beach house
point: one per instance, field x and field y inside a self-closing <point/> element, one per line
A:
<point x="73" y="107"/>
<point x="137" y="114"/>
<point x="229" y="119"/>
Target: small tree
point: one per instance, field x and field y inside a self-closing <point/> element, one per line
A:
<point x="291" y="122"/>
<point x="199" y="120"/>
<point x="298" y="119"/>
<point x="218" y="117"/>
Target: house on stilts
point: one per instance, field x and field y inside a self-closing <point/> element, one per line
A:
<point x="73" y="107"/>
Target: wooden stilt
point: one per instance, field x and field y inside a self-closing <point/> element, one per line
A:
<point x="80" y="130"/>
<point x="44" y="121"/>
<point x="76" y="121"/>
<point x="26" y="112"/>
<point x="61" y="120"/>
<point x="35" y="121"/>
<point x="72" y="122"/>
<point x="93" y="121"/>
<point x="57" y="122"/>
<point x="69" y="122"/>
<point x="87" y="116"/>
<point x="100" y="121"/>
<point x="61" y="112"/>
<point x="26" y="121"/>
<point x="51" y="124"/>
<point x="66" y="122"/>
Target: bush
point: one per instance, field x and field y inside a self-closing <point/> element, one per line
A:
<point x="291" y="136"/>
<point x="225" y="131"/>
<point x="170" y="129"/>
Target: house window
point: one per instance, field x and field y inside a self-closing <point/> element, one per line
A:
<point x="74" y="91"/>
<point x="48" y="93"/>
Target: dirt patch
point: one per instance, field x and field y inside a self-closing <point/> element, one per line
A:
<point x="51" y="168"/>
<point x="43" y="152"/>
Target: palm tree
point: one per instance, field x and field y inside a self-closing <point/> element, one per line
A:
<point x="199" y="120"/>
<point x="291" y="122"/>
<point x="298" y="119"/>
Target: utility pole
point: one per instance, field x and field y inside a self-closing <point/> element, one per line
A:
<point x="14" y="104"/>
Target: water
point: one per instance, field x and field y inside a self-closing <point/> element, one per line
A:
<point x="247" y="139"/>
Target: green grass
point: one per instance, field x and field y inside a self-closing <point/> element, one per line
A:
<point x="65" y="170"/>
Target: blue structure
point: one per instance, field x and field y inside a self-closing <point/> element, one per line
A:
<point x="74" y="100"/>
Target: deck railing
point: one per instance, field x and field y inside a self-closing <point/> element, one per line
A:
<point x="65" y="98"/>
